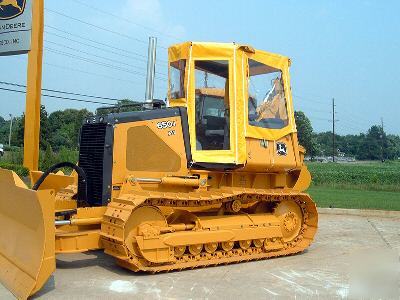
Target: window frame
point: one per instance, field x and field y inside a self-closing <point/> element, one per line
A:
<point x="274" y="70"/>
<point x="228" y="79"/>
<point x="213" y="156"/>
<point x="282" y="64"/>
<point x="185" y="92"/>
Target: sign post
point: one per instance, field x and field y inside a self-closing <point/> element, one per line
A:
<point x="34" y="89"/>
<point x="21" y="31"/>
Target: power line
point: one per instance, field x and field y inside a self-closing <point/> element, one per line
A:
<point x="94" y="41"/>
<point x="84" y="72"/>
<point x="307" y="109"/>
<point x="98" y="27"/>
<point x="349" y="127"/>
<point x="127" y="20"/>
<point x="359" y="118"/>
<point x="95" y="26"/>
<point x="95" y="47"/>
<point x="353" y="124"/>
<point x="61" y="92"/>
<point x="91" y="73"/>
<point x="310" y="100"/>
<point x="58" y="97"/>
<point x="320" y="119"/>
<point x="102" y="57"/>
<point x="312" y="96"/>
<point x="97" y="62"/>
<point x="99" y="43"/>
<point x="92" y="61"/>
<point x="98" y="56"/>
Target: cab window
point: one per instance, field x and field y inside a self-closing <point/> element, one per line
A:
<point x="177" y="79"/>
<point x="212" y="105"/>
<point x="267" y="102"/>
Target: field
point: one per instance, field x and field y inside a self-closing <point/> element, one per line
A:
<point x="364" y="185"/>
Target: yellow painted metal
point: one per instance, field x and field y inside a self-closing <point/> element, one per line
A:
<point x="194" y="237"/>
<point x="179" y="181"/>
<point x="291" y="218"/>
<point x="304" y="180"/>
<point x="78" y="241"/>
<point x="83" y="234"/>
<point x="155" y="139"/>
<point x="27" y="256"/>
<point x="34" y="88"/>
<point x="55" y="182"/>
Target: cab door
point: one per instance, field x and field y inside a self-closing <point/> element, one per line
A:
<point x="212" y="105"/>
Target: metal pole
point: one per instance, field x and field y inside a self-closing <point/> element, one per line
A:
<point x="151" y="70"/>
<point x="33" y="89"/>
<point x="383" y="156"/>
<point x="333" y="129"/>
<point x="9" y="136"/>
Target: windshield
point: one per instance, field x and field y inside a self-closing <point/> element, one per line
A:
<point x="267" y="102"/>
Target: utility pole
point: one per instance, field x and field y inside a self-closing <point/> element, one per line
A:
<point x="11" y="124"/>
<point x="333" y="129"/>
<point x="382" y="145"/>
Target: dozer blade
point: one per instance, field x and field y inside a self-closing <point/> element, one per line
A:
<point x="27" y="236"/>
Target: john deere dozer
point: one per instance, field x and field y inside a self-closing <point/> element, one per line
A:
<point x="217" y="177"/>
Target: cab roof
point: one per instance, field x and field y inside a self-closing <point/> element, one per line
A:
<point x="183" y="49"/>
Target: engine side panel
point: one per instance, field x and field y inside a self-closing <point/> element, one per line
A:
<point x="149" y="149"/>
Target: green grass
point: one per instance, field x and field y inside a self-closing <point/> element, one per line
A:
<point x="361" y="199"/>
<point x="371" y="176"/>
<point x="362" y="185"/>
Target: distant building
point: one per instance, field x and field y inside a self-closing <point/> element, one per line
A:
<point x="325" y="159"/>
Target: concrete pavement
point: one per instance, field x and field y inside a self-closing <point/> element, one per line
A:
<point x="351" y="256"/>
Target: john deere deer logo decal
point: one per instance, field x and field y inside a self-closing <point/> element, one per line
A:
<point x="281" y="149"/>
<point x="10" y="9"/>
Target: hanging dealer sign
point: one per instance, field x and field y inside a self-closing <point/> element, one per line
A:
<point x="15" y="26"/>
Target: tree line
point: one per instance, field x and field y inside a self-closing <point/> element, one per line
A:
<point x="60" y="131"/>
<point x="375" y="144"/>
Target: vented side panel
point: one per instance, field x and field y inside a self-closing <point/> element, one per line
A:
<point x="91" y="159"/>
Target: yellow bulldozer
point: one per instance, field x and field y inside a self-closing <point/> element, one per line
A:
<point x="216" y="177"/>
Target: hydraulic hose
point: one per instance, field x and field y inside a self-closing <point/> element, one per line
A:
<point x="79" y="170"/>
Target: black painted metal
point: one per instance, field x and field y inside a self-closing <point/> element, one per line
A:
<point x="91" y="160"/>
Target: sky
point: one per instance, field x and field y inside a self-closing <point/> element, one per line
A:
<point x="347" y="50"/>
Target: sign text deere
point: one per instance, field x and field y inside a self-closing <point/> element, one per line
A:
<point x="15" y="26"/>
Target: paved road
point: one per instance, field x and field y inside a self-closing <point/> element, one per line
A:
<point x="346" y="247"/>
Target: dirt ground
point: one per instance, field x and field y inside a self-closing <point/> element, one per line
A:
<point x="352" y="256"/>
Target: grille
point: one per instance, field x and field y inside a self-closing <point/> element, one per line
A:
<point x="91" y="160"/>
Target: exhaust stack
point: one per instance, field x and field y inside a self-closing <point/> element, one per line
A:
<point x="151" y="70"/>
